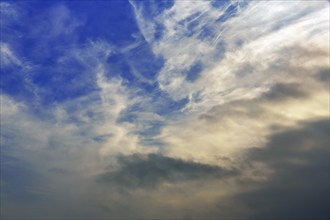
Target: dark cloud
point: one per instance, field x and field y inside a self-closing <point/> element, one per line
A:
<point x="299" y="187"/>
<point x="245" y="70"/>
<point x="19" y="180"/>
<point x="146" y="171"/>
<point x="324" y="76"/>
<point x="283" y="91"/>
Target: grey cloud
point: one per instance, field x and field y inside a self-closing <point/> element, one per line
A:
<point x="297" y="51"/>
<point x="19" y="182"/>
<point x="299" y="188"/>
<point x="146" y="171"/>
<point x="289" y="60"/>
<point x="283" y="91"/>
<point x="245" y="70"/>
<point x="302" y="141"/>
<point x="323" y="76"/>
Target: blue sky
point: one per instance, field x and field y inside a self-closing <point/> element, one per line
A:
<point x="140" y="109"/>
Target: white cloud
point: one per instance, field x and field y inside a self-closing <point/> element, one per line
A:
<point x="84" y="130"/>
<point x="243" y="57"/>
<point x="8" y="57"/>
<point x="249" y="37"/>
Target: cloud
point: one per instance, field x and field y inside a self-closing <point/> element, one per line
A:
<point x="281" y="91"/>
<point x="8" y="57"/>
<point x="244" y="123"/>
<point x="67" y="139"/>
<point x="299" y="185"/>
<point x="271" y="79"/>
<point x="62" y="21"/>
<point x="9" y="13"/>
<point x="246" y="38"/>
<point x="206" y="110"/>
<point x="149" y="171"/>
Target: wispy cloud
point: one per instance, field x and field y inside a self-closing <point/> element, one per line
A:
<point x="245" y="38"/>
<point x="8" y="57"/>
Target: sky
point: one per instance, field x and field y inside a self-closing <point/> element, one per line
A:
<point x="164" y="109"/>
